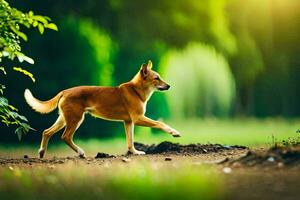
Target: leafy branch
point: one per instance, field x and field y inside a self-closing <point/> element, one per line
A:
<point x="11" y="35"/>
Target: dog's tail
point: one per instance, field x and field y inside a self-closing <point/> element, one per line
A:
<point x="41" y="106"/>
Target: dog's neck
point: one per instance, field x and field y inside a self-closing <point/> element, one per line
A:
<point x="143" y="92"/>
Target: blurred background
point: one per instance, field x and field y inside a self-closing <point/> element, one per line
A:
<point x="226" y="60"/>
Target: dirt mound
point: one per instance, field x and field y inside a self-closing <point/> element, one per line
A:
<point x="169" y="147"/>
<point x="275" y="156"/>
<point x="104" y="155"/>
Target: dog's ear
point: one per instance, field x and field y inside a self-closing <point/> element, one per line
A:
<point x="144" y="70"/>
<point x="149" y="64"/>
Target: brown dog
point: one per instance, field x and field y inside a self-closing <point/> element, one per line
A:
<point x="126" y="103"/>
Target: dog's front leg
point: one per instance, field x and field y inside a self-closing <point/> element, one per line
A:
<point x="145" y="121"/>
<point x="129" y="130"/>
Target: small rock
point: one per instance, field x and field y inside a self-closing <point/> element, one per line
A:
<point x="11" y="168"/>
<point x="227" y="147"/>
<point x="52" y="167"/>
<point x="126" y="159"/>
<point x="236" y="164"/>
<point x="227" y="170"/>
<point x="61" y="161"/>
<point x="26" y="157"/>
<point x="223" y="161"/>
<point x="271" y="159"/>
<point x="280" y="164"/>
<point x="168" y="159"/>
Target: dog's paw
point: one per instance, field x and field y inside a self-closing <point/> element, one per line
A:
<point x="81" y="153"/>
<point x="175" y="133"/>
<point x="136" y="152"/>
<point x="41" y="153"/>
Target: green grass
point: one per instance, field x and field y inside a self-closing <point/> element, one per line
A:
<point x="249" y="132"/>
<point x="143" y="180"/>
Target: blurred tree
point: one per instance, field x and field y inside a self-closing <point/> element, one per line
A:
<point x="267" y="62"/>
<point x="206" y="86"/>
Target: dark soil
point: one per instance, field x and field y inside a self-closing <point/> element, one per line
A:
<point x="30" y="161"/>
<point x="104" y="155"/>
<point x="176" y="148"/>
<point x="275" y="156"/>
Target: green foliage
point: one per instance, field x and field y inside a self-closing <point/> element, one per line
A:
<point x="103" y="49"/>
<point x="248" y="64"/>
<point x="91" y="59"/>
<point x="174" y="22"/>
<point x="25" y="72"/>
<point x="204" y="82"/>
<point x="11" y="22"/>
<point x="9" y="116"/>
<point x="267" y="62"/>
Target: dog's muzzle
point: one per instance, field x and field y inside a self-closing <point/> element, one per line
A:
<point x="164" y="88"/>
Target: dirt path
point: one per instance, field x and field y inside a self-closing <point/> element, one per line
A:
<point x="267" y="178"/>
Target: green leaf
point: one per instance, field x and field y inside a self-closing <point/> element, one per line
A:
<point x="22" y="57"/>
<point x="25" y="72"/>
<point x="23" y="118"/>
<point x="41" y="28"/>
<point x="22" y="35"/>
<point x="30" y="13"/>
<point x="35" y="24"/>
<point x="13" y="108"/>
<point x="19" y="132"/>
<point x="3" y="101"/>
<point x="3" y="70"/>
<point x="2" y="87"/>
<point x="52" y="26"/>
<point x="19" y="33"/>
<point x="48" y="18"/>
<point x="40" y="19"/>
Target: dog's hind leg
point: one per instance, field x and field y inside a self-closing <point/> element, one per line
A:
<point x="68" y="134"/>
<point x="58" y="125"/>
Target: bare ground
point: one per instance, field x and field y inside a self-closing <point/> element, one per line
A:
<point x="248" y="174"/>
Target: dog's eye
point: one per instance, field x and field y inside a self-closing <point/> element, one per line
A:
<point x="156" y="78"/>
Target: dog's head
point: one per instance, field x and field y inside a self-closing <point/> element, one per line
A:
<point x="152" y="79"/>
